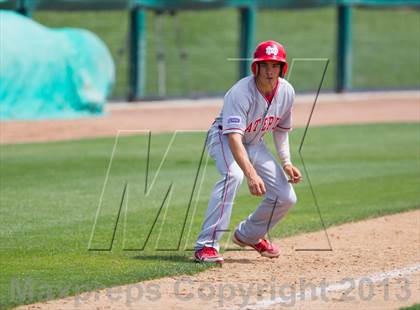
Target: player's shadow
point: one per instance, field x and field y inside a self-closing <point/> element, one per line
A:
<point x="189" y="259"/>
<point x="239" y="260"/>
<point x="171" y="258"/>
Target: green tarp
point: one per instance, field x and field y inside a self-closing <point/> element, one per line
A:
<point x="51" y="73"/>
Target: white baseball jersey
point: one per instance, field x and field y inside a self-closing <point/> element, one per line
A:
<point x="246" y="110"/>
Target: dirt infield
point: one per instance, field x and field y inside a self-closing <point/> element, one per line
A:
<point x="374" y="264"/>
<point x="199" y="114"/>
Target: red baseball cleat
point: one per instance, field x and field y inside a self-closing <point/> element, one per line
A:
<point x="264" y="247"/>
<point x="208" y="255"/>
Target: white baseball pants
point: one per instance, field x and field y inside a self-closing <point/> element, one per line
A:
<point x="278" y="199"/>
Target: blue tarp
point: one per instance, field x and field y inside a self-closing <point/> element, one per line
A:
<point x="51" y="73"/>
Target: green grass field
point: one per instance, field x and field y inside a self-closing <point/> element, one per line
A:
<point x="385" y="45"/>
<point x="413" y="307"/>
<point x="50" y="193"/>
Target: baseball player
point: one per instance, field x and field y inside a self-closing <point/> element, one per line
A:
<point x="255" y="105"/>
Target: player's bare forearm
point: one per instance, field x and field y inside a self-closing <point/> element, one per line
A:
<point x="255" y="183"/>
<point x="240" y="154"/>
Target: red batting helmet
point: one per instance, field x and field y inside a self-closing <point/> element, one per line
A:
<point x="269" y="50"/>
